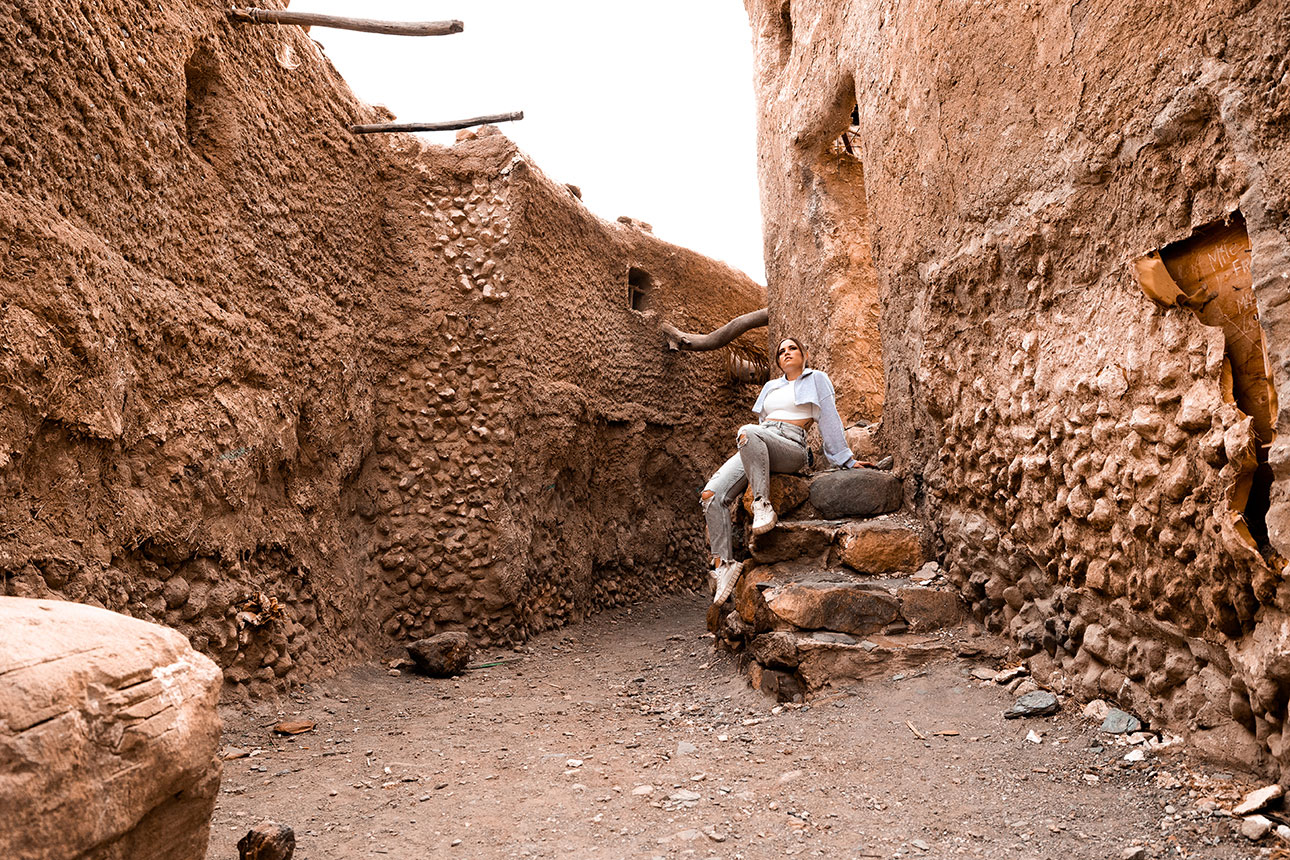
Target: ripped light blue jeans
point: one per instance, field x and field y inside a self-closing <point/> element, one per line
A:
<point x="775" y="446"/>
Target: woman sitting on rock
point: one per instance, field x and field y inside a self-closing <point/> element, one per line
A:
<point x="787" y="406"/>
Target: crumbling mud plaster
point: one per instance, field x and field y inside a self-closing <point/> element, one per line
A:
<point x="1078" y="448"/>
<point x="298" y="393"/>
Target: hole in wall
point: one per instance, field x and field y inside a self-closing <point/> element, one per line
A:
<point x="1209" y="273"/>
<point x="785" y="31"/>
<point x="640" y="289"/>
<point x="209" y="120"/>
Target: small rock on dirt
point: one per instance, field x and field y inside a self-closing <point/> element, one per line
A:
<point x="1097" y="710"/>
<point x="981" y="673"/>
<point x="1039" y="703"/>
<point x="1134" y="852"/>
<point x="1120" y="722"/>
<point x="1257" y="799"/>
<point x="1255" y="827"/>
<point x="443" y="655"/>
<point x="267" y="840"/>
<point x="1007" y="676"/>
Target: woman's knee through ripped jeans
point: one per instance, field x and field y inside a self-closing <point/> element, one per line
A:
<point x="775" y="446"/>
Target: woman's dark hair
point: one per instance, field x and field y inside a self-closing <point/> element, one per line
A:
<point x="796" y="341"/>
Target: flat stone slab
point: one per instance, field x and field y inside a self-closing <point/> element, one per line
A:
<point x="827" y="664"/>
<point x="842" y="607"/>
<point x="807" y="540"/>
<point x="856" y="493"/>
<point x="108" y="735"/>
<point x="880" y="546"/>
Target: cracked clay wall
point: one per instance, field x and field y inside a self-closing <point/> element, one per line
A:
<point x="301" y="394"/>
<point x="1101" y="489"/>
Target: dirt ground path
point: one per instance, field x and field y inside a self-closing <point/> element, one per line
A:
<point x="630" y="736"/>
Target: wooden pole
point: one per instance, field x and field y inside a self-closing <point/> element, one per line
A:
<point x="677" y="339"/>
<point x="380" y="127"/>
<point x="366" y="25"/>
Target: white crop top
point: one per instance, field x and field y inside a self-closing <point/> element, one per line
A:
<point x="779" y="406"/>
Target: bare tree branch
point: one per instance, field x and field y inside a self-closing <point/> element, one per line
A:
<point x="313" y="19"/>
<point x="677" y="339"/>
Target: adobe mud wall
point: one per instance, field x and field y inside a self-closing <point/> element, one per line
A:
<point x="1107" y="474"/>
<point x="298" y="393"/>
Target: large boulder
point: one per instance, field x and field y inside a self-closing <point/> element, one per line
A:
<point x="856" y="493"/>
<point x="442" y="656"/>
<point x="108" y="735"/>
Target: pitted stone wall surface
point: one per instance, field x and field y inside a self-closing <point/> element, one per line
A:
<point x="1071" y="442"/>
<point x="300" y="394"/>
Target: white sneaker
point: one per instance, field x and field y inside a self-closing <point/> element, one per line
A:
<point x="724" y="579"/>
<point x="764" y="518"/>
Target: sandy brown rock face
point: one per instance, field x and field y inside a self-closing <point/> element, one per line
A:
<point x="304" y="395"/>
<point x="1076" y="247"/>
<point x="108" y="735"/>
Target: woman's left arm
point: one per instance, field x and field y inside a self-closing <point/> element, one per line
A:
<point x="836" y="448"/>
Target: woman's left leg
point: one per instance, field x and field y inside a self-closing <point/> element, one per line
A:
<point x="726" y="486"/>
<point x="764" y="450"/>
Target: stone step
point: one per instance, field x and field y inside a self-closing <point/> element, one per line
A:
<point x="802" y="627"/>
<point x="801" y="595"/>
<point x="884" y="545"/>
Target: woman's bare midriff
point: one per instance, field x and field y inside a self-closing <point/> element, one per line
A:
<point x="800" y="422"/>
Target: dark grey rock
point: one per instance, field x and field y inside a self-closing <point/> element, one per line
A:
<point x="443" y="655"/>
<point x="856" y="493"/>
<point x="1039" y="703"/>
<point x="1120" y="722"/>
<point x="777" y="650"/>
<point x="834" y="638"/>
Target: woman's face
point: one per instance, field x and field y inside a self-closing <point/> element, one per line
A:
<point x="790" y="357"/>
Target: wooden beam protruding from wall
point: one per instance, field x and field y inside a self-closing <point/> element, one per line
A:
<point x="365" y="25"/>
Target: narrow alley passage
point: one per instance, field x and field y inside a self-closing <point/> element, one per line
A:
<point x="630" y="736"/>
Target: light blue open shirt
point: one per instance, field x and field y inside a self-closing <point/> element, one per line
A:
<point x="814" y="387"/>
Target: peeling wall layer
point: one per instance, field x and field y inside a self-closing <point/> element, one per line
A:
<point x="1078" y="447"/>
<point x="300" y="394"/>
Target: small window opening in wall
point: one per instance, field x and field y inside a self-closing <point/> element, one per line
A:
<point x="210" y="123"/>
<point x="785" y="31"/>
<point x="640" y="289"/>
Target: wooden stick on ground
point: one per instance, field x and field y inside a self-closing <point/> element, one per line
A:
<point x="366" y="25"/>
<point x="677" y="339"/>
<point x="378" y="127"/>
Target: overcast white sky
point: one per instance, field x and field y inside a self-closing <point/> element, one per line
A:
<point x="647" y="107"/>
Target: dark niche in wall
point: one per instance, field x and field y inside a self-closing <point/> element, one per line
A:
<point x="210" y="123"/>
<point x="640" y="289"/>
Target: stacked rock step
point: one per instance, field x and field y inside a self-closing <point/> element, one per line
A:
<point x="840" y="591"/>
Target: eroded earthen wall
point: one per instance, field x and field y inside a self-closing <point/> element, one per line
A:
<point x="297" y="392"/>
<point x="1083" y="451"/>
